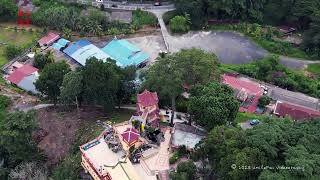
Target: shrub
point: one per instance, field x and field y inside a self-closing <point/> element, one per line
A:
<point x="12" y="51"/>
<point x="263" y="101"/>
<point x="174" y="158"/>
<point x="182" y="105"/>
<point x="169" y="15"/>
<point x="140" y="18"/>
<point x="179" y="24"/>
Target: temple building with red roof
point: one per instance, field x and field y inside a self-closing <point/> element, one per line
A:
<point x="25" y="77"/>
<point x="148" y="109"/>
<point x="296" y="112"/>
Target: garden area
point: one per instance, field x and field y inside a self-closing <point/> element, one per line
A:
<point x="13" y="40"/>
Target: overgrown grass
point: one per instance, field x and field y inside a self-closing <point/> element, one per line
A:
<point x="22" y="38"/>
<point x="243" y="117"/>
<point x="314" y="69"/>
<point x="140" y="18"/>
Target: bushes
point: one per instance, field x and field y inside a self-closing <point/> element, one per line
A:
<point x="263" y="101"/>
<point x="182" y="105"/>
<point x="179" y="24"/>
<point x="169" y="15"/>
<point x="182" y="150"/>
<point x="140" y="18"/>
<point x="12" y="51"/>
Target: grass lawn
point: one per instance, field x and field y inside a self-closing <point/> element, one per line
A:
<point x="314" y="69"/>
<point x="121" y="115"/>
<point x="242" y="117"/>
<point x="22" y="38"/>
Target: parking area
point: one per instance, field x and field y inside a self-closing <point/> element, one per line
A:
<point x="247" y="125"/>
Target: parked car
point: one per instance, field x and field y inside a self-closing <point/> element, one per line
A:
<point x="254" y="122"/>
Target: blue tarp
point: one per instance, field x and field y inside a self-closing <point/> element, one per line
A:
<point x="125" y="53"/>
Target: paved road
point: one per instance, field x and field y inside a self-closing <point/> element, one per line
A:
<point x="231" y="48"/>
<point x="131" y="6"/>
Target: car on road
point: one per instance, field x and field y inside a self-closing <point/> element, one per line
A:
<point x="157" y="3"/>
<point x="254" y="122"/>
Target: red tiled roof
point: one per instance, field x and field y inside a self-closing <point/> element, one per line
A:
<point x="239" y="84"/>
<point x="294" y="111"/>
<point x="21" y="73"/>
<point x="249" y="87"/>
<point x="147" y="98"/>
<point x="130" y="136"/>
<point x="48" y="39"/>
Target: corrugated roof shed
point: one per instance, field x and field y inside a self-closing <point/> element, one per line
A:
<point x="294" y="111"/>
<point x="82" y="50"/>
<point x="25" y="77"/>
<point x="125" y="53"/>
<point x="48" y="39"/>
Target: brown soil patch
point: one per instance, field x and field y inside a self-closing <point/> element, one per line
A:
<point x="59" y="130"/>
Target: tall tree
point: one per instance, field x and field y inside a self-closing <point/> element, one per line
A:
<point x="127" y="85"/>
<point x="71" y="88"/>
<point x="8" y="10"/>
<point x="50" y="80"/>
<point x="41" y="60"/>
<point x="197" y="66"/>
<point x="165" y="78"/>
<point x="101" y="81"/>
<point x="16" y="139"/>
<point x="212" y="104"/>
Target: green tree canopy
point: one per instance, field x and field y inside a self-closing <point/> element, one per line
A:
<point x="168" y="75"/>
<point x="16" y="140"/>
<point x="50" y="80"/>
<point x="212" y="104"/>
<point x="71" y="88"/>
<point x="275" y="143"/>
<point x="41" y="60"/>
<point x="179" y="24"/>
<point x="8" y="10"/>
<point x="185" y="171"/>
<point x="101" y="81"/>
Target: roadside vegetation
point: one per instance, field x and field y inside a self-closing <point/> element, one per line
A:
<point x="141" y="18"/>
<point x="270" y="70"/>
<point x="314" y="69"/>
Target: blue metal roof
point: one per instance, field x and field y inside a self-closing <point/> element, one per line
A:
<point x="125" y="53"/>
<point x="57" y="46"/>
<point x="73" y="47"/>
<point x="63" y="42"/>
<point x="82" y="50"/>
